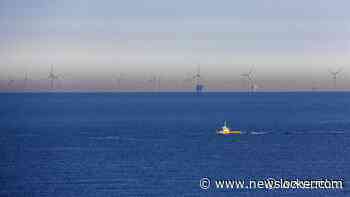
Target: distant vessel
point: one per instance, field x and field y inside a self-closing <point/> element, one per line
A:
<point x="224" y="130"/>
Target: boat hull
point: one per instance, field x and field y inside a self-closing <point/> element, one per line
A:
<point x="229" y="132"/>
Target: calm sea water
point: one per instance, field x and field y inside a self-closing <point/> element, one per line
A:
<point x="162" y="144"/>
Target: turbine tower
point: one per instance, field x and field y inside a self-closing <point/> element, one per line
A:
<point x="10" y="81"/>
<point x="255" y="87"/>
<point x="249" y="75"/>
<point x="158" y="83"/>
<point x="334" y="76"/>
<point x="155" y="81"/>
<point x="197" y="80"/>
<point x="119" y="79"/>
<point x="52" y="77"/>
<point x="25" y="79"/>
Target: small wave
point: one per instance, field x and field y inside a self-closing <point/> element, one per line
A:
<point x="106" y="138"/>
<point x="323" y="132"/>
<point x="337" y="132"/>
<point x="84" y="181"/>
<point x="298" y="132"/>
<point x="27" y="135"/>
<point x="130" y="139"/>
<point x="313" y="132"/>
<point x="337" y="121"/>
<point x="259" y="132"/>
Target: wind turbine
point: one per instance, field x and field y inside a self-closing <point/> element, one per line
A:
<point x="52" y="77"/>
<point x="249" y="75"/>
<point x="313" y="86"/>
<point x="26" y="79"/>
<point x="158" y="83"/>
<point x="334" y="76"/>
<point x="10" y="81"/>
<point x="155" y="81"/>
<point x="119" y="80"/>
<point x="197" y="80"/>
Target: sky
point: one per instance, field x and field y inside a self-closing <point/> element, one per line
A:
<point x="291" y="45"/>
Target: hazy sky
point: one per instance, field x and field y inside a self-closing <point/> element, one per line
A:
<point x="291" y="44"/>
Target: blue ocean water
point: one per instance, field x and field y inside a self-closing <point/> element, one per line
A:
<point x="162" y="144"/>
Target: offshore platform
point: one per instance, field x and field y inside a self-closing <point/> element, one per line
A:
<point x="199" y="87"/>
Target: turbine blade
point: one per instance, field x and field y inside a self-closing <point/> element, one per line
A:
<point x="339" y="70"/>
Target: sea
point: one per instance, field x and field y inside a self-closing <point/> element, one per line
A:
<point x="165" y="144"/>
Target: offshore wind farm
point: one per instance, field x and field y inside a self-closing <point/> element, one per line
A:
<point x="153" y="83"/>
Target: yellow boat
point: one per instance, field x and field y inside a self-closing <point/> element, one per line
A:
<point x="226" y="131"/>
